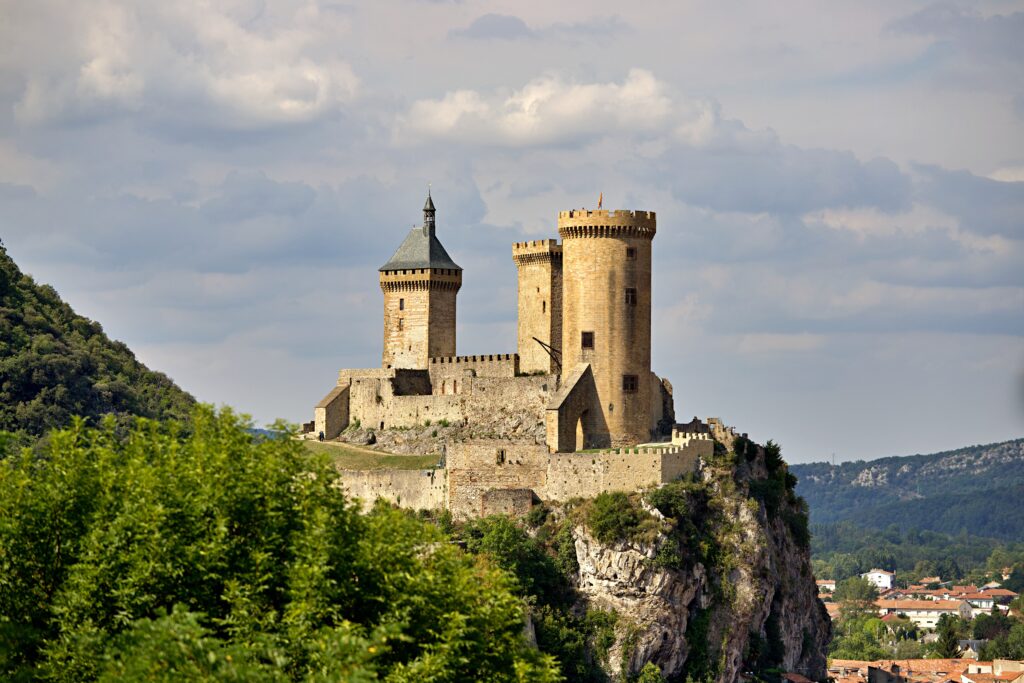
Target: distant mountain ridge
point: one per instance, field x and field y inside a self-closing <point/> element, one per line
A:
<point x="55" y="364"/>
<point x="976" y="489"/>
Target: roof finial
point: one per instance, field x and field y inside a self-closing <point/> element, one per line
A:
<point x="600" y="200"/>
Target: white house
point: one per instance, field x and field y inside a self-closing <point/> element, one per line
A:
<point x="925" y="613"/>
<point x="881" y="579"/>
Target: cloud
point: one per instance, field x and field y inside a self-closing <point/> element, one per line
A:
<point x="191" y="64"/>
<point x="996" y="36"/>
<point x="547" y="110"/>
<point x="508" y="27"/>
<point x="495" y="27"/>
<point x="984" y="206"/>
<point x="248" y="194"/>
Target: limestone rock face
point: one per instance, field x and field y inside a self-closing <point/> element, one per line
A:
<point x="763" y="598"/>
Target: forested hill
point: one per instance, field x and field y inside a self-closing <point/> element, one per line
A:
<point x="55" y="364"/>
<point x="977" y="489"/>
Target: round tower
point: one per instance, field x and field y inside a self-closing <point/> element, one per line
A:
<point x="606" y="318"/>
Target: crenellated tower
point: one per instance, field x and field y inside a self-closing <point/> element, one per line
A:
<point x="420" y="283"/>
<point x="539" y="264"/>
<point x="606" y="318"/>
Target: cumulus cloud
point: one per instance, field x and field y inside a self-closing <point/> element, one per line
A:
<point x="190" y="64"/>
<point x="547" y="110"/>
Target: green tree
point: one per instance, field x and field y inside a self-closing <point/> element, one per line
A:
<point x="219" y="555"/>
<point x="948" y="644"/>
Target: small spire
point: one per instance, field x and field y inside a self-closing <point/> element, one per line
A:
<point x="429" y="206"/>
<point x="428" y="215"/>
<point x="600" y="200"/>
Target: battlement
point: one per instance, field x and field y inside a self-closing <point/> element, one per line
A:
<point x="607" y="214"/>
<point x="606" y="223"/>
<point x="535" y="246"/>
<point x="485" y="365"/>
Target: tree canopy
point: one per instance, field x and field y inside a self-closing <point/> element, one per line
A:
<point x="55" y="364"/>
<point x="218" y="555"/>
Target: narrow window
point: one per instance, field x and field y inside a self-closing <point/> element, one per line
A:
<point x="455" y="386"/>
<point x="587" y="340"/>
<point x="630" y="384"/>
<point x="543" y="306"/>
<point x="401" y="324"/>
<point x="630" y="296"/>
<point x="401" y="304"/>
<point x="499" y="458"/>
<point x="631" y="253"/>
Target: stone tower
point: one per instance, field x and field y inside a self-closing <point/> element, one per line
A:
<point x="606" y="318"/>
<point x="420" y="283"/>
<point x="540" y="302"/>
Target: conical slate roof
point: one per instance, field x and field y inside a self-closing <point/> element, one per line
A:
<point x="420" y="250"/>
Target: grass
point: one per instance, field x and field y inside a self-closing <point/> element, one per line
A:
<point x="351" y="458"/>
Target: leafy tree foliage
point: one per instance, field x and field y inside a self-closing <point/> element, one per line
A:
<point x="222" y="556"/>
<point x="55" y="364"/>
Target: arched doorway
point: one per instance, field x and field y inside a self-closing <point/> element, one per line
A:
<point x="581" y="431"/>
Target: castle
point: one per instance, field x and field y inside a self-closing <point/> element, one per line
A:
<point x="582" y="370"/>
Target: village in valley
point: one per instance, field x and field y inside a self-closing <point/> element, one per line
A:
<point x="923" y="613"/>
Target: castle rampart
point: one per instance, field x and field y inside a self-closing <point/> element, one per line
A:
<point x="485" y="365"/>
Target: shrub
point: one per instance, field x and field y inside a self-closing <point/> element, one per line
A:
<point x="615" y="517"/>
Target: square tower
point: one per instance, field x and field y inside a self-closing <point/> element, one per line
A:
<point x="420" y="283"/>
<point x="539" y="264"/>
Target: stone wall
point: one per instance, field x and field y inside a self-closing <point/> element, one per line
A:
<point x="486" y="365"/>
<point x="585" y="475"/>
<point x="573" y="418"/>
<point x="374" y="402"/>
<point x="539" y="265"/>
<point x="476" y="467"/>
<point x="412" y="489"/>
<point x="512" y="502"/>
<point x="419" y="315"/>
<point x="330" y="416"/>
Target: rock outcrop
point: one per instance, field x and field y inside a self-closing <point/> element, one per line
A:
<point x="737" y="596"/>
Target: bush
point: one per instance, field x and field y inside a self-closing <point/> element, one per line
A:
<point x="613" y="517"/>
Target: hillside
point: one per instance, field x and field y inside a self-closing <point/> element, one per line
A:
<point x="55" y="363"/>
<point x="948" y="492"/>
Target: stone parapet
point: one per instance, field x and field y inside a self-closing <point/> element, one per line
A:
<point x="484" y="365"/>
<point x="536" y="251"/>
<point x="580" y="223"/>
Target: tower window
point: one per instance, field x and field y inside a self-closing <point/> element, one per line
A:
<point x="401" y="304"/>
<point x="587" y="340"/>
<point x="499" y="457"/>
<point x="630" y="383"/>
<point x="543" y="306"/>
<point x="401" y="323"/>
<point x="631" y="253"/>
<point x="631" y="296"/>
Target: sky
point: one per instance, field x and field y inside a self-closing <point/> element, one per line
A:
<point x="839" y="187"/>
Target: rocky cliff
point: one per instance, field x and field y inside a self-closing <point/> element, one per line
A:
<point x="714" y="582"/>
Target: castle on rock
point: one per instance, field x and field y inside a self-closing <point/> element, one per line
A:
<point x="581" y="375"/>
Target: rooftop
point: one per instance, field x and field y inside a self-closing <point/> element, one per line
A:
<point x="421" y="248"/>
